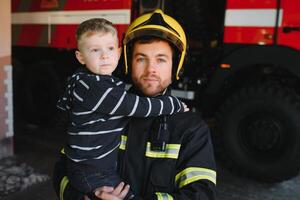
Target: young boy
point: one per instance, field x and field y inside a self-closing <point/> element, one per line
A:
<point x="99" y="106"/>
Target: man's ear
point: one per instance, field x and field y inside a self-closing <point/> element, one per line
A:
<point x="79" y="57"/>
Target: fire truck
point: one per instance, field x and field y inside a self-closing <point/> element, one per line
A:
<point x="242" y="71"/>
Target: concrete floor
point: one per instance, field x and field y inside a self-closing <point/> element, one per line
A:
<point x="39" y="149"/>
<point x="231" y="187"/>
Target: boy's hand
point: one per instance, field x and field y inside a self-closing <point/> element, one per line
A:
<point x="186" y="109"/>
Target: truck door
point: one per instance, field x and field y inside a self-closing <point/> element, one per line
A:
<point x="289" y="32"/>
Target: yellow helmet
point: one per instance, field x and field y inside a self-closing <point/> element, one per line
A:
<point x="159" y="25"/>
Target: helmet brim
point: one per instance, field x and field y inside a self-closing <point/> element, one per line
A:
<point x="148" y="32"/>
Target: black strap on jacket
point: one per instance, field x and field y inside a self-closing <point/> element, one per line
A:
<point x="159" y="134"/>
<point x="159" y="130"/>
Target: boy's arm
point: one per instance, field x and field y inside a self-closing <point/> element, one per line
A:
<point x="111" y="99"/>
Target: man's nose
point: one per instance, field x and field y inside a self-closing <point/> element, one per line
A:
<point x="151" y="67"/>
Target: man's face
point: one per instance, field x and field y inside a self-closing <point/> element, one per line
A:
<point x="151" y="66"/>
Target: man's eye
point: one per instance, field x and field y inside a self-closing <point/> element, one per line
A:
<point x="111" y="48"/>
<point x="95" y="50"/>
<point x="141" y="59"/>
<point x="161" y="60"/>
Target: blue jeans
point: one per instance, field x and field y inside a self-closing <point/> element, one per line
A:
<point x="86" y="180"/>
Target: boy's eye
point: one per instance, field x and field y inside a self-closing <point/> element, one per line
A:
<point x="95" y="50"/>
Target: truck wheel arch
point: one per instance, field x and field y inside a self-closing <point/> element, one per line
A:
<point x="242" y="58"/>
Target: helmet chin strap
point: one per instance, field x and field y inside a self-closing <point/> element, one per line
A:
<point x="165" y="90"/>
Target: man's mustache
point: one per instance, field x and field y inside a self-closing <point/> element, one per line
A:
<point x="151" y="76"/>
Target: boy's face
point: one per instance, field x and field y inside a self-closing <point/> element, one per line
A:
<point x="99" y="52"/>
<point x="152" y="66"/>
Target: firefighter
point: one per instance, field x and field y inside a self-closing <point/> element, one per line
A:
<point x="167" y="157"/>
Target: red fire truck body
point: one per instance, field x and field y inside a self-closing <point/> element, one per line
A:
<point x="53" y="23"/>
<point x="242" y="70"/>
<point x="256" y="22"/>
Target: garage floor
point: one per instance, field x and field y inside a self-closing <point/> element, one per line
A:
<point x="38" y="150"/>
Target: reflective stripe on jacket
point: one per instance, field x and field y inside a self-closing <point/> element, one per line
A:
<point x="185" y="170"/>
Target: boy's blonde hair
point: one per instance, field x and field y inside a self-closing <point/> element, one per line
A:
<point x="95" y="25"/>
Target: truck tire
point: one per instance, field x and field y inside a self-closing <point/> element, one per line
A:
<point x="258" y="133"/>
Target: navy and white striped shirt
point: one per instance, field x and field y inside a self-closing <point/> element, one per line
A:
<point x="99" y="108"/>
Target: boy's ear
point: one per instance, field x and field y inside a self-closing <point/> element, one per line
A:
<point x="119" y="52"/>
<point x="79" y="57"/>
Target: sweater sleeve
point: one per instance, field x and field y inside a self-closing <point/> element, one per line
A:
<point x="111" y="98"/>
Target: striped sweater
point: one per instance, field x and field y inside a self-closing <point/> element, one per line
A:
<point x="99" y="108"/>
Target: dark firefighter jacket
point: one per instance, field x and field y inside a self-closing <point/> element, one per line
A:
<point x="185" y="170"/>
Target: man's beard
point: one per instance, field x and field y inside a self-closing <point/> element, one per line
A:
<point x="148" y="88"/>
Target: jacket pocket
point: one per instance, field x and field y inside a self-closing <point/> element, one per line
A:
<point x="162" y="175"/>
